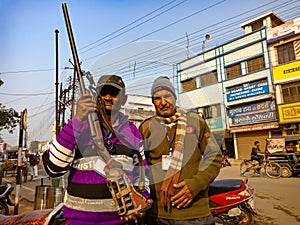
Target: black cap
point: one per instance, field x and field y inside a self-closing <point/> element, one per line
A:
<point x="112" y="80"/>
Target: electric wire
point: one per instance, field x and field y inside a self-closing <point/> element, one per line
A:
<point x="287" y="13"/>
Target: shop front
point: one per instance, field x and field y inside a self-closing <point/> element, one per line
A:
<point x="250" y="123"/>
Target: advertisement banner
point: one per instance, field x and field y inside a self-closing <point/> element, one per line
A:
<point x="275" y="145"/>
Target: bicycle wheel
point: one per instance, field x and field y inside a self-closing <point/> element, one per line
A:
<point x="272" y="169"/>
<point x="247" y="169"/>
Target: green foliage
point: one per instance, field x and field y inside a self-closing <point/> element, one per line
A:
<point x="9" y="118"/>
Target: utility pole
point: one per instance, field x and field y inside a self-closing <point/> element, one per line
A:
<point x="23" y="126"/>
<point x="56" y="84"/>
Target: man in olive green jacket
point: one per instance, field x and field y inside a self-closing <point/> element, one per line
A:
<point x="183" y="157"/>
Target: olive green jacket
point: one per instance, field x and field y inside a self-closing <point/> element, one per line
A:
<point x="201" y="164"/>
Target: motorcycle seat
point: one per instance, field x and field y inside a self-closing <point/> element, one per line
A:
<point x="223" y="186"/>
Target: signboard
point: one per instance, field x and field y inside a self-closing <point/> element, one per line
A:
<point x="254" y="127"/>
<point x="289" y="112"/>
<point x="275" y="145"/>
<point x="247" y="90"/>
<point x="286" y="71"/>
<point x="215" y="123"/>
<point x="253" y="113"/>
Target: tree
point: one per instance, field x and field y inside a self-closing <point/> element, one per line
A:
<point x="9" y="118"/>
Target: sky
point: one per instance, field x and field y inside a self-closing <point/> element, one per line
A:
<point x="139" y="40"/>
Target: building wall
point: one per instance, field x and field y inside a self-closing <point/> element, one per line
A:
<point x="286" y="74"/>
<point x="252" y="89"/>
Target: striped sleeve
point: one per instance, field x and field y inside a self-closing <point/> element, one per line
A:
<point x="61" y="153"/>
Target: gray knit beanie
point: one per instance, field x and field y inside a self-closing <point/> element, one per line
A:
<point x="162" y="83"/>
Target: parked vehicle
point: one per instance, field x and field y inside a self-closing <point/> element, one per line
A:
<point x="42" y="217"/>
<point x="231" y="201"/>
<point x="5" y="192"/>
<point x="225" y="161"/>
<point x="289" y="161"/>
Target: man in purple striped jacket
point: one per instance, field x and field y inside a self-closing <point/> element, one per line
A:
<point x="87" y="199"/>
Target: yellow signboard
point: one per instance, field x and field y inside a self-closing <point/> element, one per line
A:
<point x="286" y="71"/>
<point x="289" y="112"/>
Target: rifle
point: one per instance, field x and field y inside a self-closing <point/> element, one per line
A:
<point x="127" y="200"/>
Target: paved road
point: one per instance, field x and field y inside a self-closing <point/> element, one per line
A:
<point x="277" y="200"/>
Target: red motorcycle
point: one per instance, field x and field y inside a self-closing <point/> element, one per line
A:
<point x="231" y="201"/>
<point x="37" y="217"/>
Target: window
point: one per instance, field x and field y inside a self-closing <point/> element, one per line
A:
<point x="285" y="53"/>
<point x="233" y="71"/>
<point x="255" y="64"/>
<point x="188" y="84"/>
<point x="291" y="92"/>
<point x="211" y="111"/>
<point x="208" y="78"/>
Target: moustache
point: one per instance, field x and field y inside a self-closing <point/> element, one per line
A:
<point x="164" y="107"/>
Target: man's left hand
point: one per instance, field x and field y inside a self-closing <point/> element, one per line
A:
<point x="138" y="215"/>
<point x="183" y="198"/>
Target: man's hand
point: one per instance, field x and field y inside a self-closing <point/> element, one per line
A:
<point x="138" y="215"/>
<point x="183" y="198"/>
<point x="85" y="104"/>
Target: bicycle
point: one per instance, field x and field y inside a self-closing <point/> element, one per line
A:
<point x="250" y="167"/>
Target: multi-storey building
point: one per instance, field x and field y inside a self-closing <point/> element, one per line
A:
<point x="284" y="48"/>
<point x="232" y="85"/>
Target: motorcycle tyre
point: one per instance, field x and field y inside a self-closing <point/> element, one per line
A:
<point x="246" y="169"/>
<point x="246" y="218"/>
<point x="4" y="210"/>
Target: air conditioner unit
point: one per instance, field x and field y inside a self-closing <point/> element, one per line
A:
<point x="289" y="126"/>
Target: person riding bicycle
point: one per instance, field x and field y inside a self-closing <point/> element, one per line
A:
<point x="255" y="154"/>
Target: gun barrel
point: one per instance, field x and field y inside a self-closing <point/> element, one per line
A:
<point x="77" y="65"/>
<point x="73" y="48"/>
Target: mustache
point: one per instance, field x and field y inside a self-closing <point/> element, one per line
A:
<point x="108" y="101"/>
<point x="164" y="107"/>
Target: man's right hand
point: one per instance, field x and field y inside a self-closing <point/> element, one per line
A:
<point x="85" y="105"/>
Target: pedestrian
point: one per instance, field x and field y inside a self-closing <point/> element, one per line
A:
<point x="33" y="162"/>
<point x="87" y="198"/>
<point x="183" y="159"/>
